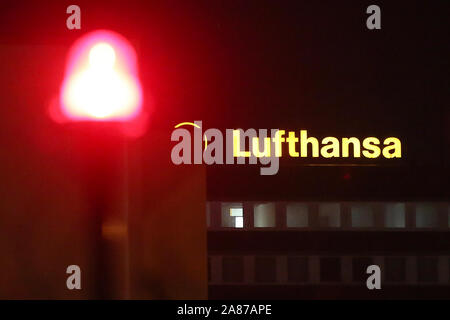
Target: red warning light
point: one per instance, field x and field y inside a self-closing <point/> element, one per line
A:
<point x="101" y="80"/>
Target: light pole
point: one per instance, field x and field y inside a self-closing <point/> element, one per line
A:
<point x="101" y="100"/>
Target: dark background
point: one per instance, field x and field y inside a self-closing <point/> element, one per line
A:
<point x="251" y="64"/>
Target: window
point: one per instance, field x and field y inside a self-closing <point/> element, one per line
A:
<point x="426" y="216"/>
<point x="330" y="269"/>
<point x="394" y="215"/>
<point x="238" y="214"/>
<point x="427" y="269"/>
<point x="359" y="268"/>
<point x="330" y="215"/>
<point x="264" y="215"/>
<point x="297" y="215"/>
<point x="395" y="269"/>
<point x="448" y="218"/>
<point x="362" y="216"/>
<point x="232" y="215"/>
<point x="297" y="269"/>
<point x="209" y="269"/>
<point x="232" y="269"/>
<point x="265" y="269"/>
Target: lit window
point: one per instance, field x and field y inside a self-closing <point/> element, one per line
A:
<point x="426" y="216"/>
<point x="232" y="215"/>
<point x="238" y="214"/>
<point x="394" y="215"/>
<point x="297" y="215"/>
<point x="264" y="215"/>
<point x="427" y="269"/>
<point x="362" y="216"/>
<point x="449" y="216"/>
<point x="330" y="215"/>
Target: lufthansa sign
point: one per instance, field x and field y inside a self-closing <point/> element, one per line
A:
<point x="210" y="147"/>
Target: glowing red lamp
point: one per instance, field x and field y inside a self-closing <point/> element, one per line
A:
<point x="101" y="87"/>
<point x="101" y="80"/>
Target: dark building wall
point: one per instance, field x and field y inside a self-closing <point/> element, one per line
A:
<point x="293" y="253"/>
